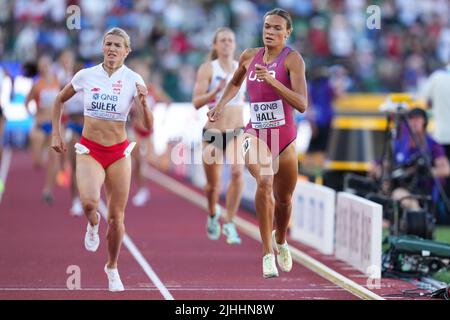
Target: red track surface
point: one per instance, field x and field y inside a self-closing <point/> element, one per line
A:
<point x="38" y="243"/>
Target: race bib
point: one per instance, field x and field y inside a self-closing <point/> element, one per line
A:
<point x="267" y="114"/>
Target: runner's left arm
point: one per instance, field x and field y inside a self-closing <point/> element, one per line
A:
<point x="143" y="110"/>
<point x="297" y="97"/>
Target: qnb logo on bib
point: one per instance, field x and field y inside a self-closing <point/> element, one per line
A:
<point x="105" y="102"/>
<point x="105" y="97"/>
<point x="262" y="106"/>
<point x="252" y="75"/>
<point x="267" y="114"/>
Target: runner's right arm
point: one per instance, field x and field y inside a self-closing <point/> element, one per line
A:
<point x="201" y="96"/>
<point x="30" y="96"/>
<point x="234" y="85"/>
<point x="66" y="93"/>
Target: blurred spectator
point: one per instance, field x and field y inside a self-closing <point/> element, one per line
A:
<point x="340" y="37"/>
<point x="317" y="36"/>
<point x="443" y="44"/>
<point x="414" y="73"/>
<point x="25" y="46"/>
<point x="320" y="114"/>
<point x="340" y="80"/>
<point x="413" y="41"/>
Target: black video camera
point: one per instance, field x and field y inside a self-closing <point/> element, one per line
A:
<point x="402" y="221"/>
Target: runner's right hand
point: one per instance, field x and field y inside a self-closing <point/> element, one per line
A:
<point x="214" y="114"/>
<point x="58" y="144"/>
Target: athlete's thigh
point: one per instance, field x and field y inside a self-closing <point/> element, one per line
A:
<point x="71" y="149"/>
<point x="234" y="154"/>
<point x="146" y="147"/>
<point x="2" y="125"/>
<point x="48" y="140"/>
<point x="234" y="151"/>
<point x="151" y="155"/>
<point x="285" y="178"/>
<point x="37" y="138"/>
<point x="212" y="162"/>
<point x="257" y="156"/>
<point x="90" y="177"/>
<point x="117" y="183"/>
<point x="211" y="155"/>
<point x="136" y="153"/>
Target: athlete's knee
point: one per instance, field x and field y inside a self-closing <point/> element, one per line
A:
<point x="265" y="182"/>
<point x="89" y="204"/>
<point x="115" y="218"/>
<point x="236" y="175"/>
<point x="212" y="188"/>
<point x="283" y="201"/>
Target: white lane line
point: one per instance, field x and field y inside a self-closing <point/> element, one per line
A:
<point x="314" y="265"/>
<point x="252" y="231"/>
<point x="4" y="168"/>
<point x="140" y="258"/>
<point x="174" y="289"/>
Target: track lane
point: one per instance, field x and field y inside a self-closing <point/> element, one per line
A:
<point x="38" y="243"/>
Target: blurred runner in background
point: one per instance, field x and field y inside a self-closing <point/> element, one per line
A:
<point x="221" y="138"/>
<point x="44" y="92"/>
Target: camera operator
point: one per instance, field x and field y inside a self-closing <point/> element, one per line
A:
<point x="412" y="174"/>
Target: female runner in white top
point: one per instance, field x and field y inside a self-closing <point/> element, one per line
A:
<point x="222" y="137"/>
<point x="109" y="90"/>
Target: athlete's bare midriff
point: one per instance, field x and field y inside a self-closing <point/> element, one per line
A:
<point x="43" y="115"/>
<point x="231" y="118"/>
<point x="104" y="132"/>
<point x="76" y="118"/>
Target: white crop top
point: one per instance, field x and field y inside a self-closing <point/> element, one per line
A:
<point x="104" y="97"/>
<point x="75" y="104"/>
<point x="217" y="75"/>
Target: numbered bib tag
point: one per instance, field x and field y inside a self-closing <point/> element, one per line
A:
<point x="246" y="145"/>
<point x="130" y="148"/>
<point x="266" y="115"/>
<point x="81" y="149"/>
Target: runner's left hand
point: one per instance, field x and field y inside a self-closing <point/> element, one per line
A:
<point x="262" y="73"/>
<point x="142" y="92"/>
<point x="58" y="144"/>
